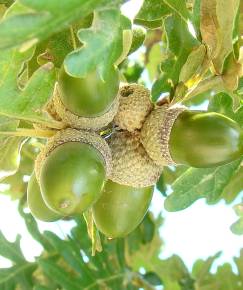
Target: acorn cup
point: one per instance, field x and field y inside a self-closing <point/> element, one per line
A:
<point x="131" y="165"/>
<point x="134" y="106"/>
<point x="88" y="103"/>
<point x="175" y="135"/>
<point x="72" y="169"/>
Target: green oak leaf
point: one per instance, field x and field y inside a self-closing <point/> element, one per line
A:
<point x="21" y="271"/>
<point x="154" y="10"/>
<point x="2" y="10"/>
<point x="196" y="17"/>
<point x="180" y="43"/>
<point x="102" y="44"/>
<point x="193" y="64"/>
<point x="37" y="20"/>
<point x="28" y="103"/>
<point x="6" y="2"/>
<point x="224" y="279"/>
<point x="11" y="250"/>
<point x="172" y="271"/>
<point x="155" y="57"/>
<point x="223" y="104"/>
<point x="178" y="7"/>
<point x="8" y="124"/>
<point x="197" y="183"/>
<point x="239" y="263"/>
<point x="233" y="189"/>
<point x="10" y="148"/>
<point x="180" y="40"/>
<point x="41" y="287"/>
<point x="18" y="276"/>
<point x="201" y="270"/>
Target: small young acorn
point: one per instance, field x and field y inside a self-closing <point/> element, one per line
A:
<point x="175" y="135"/>
<point x="121" y="208"/>
<point x="131" y="165"/>
<point x="37" y="205"/>
<point x="135" y="105"/>
<point x="72" y="169"/>
<point x="87" y="103"/>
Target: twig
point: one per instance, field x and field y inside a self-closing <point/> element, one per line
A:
<point x="30" y="133"/>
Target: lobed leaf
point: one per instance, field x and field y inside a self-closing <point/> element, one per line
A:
<point x="103" y="45"/>
<point x="154" y="10"/>
<point x="193" y="64"/>
<point x="222" y="103"/>
<point x="28" y="103"/>
<point x="197" y="183"/>
<point x="201" y="270"/>
<point x="234" y="187"/>
<point x="17" y="276"/>
<point x="33" y="229"/>
<point x="10" y="148"/>
<point x="10" y="250"/>
<point x="59" y="275"/>
<point x="180" y="43"/>
<point x="196" y="17"/>
<point x="37" y="20"/>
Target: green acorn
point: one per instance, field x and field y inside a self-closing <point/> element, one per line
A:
<point x="72" y="170"/>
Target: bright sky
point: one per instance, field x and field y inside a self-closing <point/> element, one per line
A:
<point x="197" y="232"/>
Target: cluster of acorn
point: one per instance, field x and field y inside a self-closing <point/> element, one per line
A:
<point x="78" y="169"/>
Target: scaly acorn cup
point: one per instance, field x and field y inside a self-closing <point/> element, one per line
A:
<point x="134" y="106"/>
<point x="71" y="170"/>
<point x="131" y="165"/>
<point x="87" y="103"/>
<point x="121" y="208"/>
<point x="36" y="204"/>
<point x="174" y="135"/>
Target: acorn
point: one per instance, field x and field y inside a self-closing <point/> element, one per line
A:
<point x="176" y="135"/>
<point x="121" y="208"/>
<point x="36" y="204"/>
<point x="87" y="103"/>
<point x="135" y="105"/>
<point x="131" y="165"/>
<point x="72" y="169"/>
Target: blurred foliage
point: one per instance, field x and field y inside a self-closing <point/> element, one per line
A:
<point x="130" y="263"/>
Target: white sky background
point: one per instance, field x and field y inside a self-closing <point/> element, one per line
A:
<point x="197" y="232"/>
